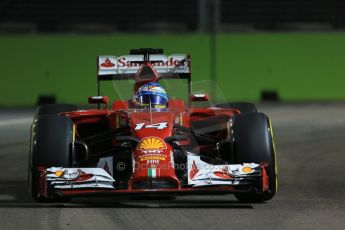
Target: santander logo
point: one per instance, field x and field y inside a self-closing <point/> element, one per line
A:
<point x="171" y="62"/>
<point x="107" y="63"/>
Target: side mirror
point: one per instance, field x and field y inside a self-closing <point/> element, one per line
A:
<point x="99" y="100"/>
<point x="200" y="97"/>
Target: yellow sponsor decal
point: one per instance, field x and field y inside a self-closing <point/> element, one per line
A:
<point x="59" y="173"/>
<point x="151" y="143"/>
<point x="247" y="169"/>
<point x="147" y="158"/>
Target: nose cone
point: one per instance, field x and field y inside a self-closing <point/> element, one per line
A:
<point x="153" y="158"/>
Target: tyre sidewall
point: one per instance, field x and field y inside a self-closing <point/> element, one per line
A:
<point x="253" y="143"/>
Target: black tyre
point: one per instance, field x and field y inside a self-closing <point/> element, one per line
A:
<point x="253" y="143"/>
<point x="51" y="145"/>
<point x="54" y="109"/>
<point x="243" y="107"/>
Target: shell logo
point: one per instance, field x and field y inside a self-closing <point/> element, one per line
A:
<point x="151" y="143"/>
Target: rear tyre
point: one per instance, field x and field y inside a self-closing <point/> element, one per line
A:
<point x="243" y="107"/>
<point x="51" y="145"/>
<point x="54" y="109"/>
<point x="253" y="143"/>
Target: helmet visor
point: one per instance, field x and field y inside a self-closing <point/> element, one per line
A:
<point x="154" y="100"/>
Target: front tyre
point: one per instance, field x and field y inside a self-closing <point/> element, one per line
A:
<point x="253" y="143"/>
<point x="51" y="145"/>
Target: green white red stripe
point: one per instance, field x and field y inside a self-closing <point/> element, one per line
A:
<point x="152" y="172"/>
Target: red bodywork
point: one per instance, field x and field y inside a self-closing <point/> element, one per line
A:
<point x="152" y="151"/>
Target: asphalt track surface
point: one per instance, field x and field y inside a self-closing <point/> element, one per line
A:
<point x="310" y="142"/>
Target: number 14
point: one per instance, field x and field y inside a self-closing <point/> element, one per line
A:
<point x="161" y="125"/>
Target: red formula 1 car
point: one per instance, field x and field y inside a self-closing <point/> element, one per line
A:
<point x="156" y="138"/>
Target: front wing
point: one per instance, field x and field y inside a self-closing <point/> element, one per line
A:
<point x="203" y="178"/>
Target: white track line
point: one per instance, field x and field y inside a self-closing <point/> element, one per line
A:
<point x="6" y="197"/>
<point x="19" y="121"/>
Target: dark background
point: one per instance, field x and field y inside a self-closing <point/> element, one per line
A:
<point x="178" y="15"/>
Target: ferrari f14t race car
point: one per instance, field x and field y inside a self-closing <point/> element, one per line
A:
<point x="156" y="138"/>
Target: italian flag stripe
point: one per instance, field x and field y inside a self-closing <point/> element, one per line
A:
<point x="152" y="172"/>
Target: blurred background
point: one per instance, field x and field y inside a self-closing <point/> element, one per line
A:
<point x="254" y="50"/>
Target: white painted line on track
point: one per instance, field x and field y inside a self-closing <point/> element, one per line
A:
<point x="5" y="197"/>
<point x="19" y="121"/>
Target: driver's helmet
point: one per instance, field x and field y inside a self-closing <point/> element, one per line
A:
<point x="151" y="95"/>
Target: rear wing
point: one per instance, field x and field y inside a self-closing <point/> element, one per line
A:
<point x="125" y="67"/>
